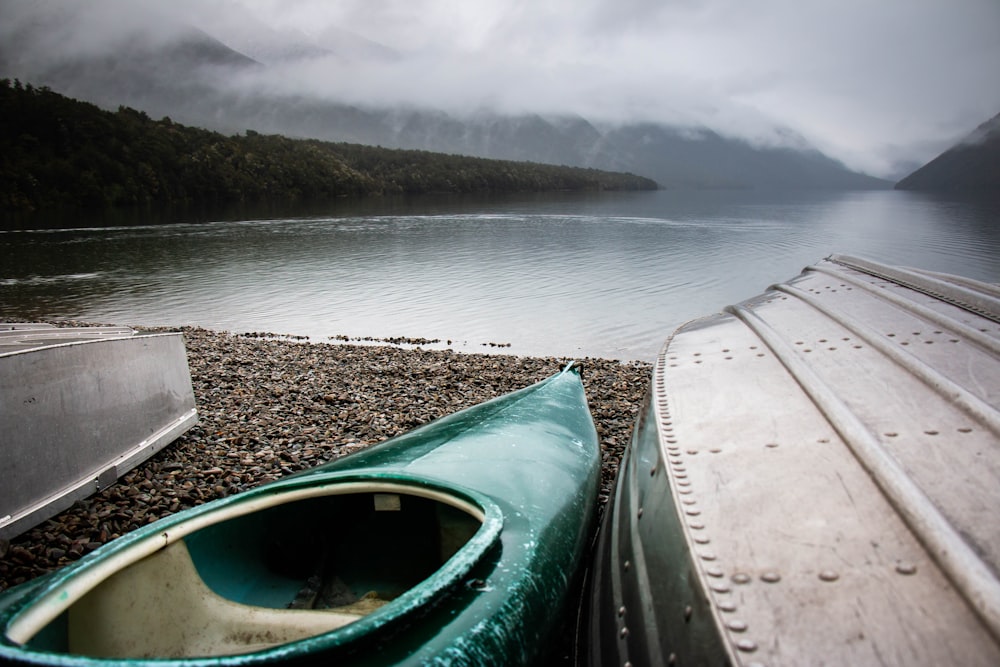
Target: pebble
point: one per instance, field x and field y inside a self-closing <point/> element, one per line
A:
<point x="270" y="406"/>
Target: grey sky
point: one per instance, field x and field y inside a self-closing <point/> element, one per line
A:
<point x="870" y="82"/>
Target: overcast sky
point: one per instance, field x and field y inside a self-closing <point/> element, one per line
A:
<point x="869" y="82"/>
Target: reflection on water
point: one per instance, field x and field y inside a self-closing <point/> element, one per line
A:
<point x="608" y="275"/>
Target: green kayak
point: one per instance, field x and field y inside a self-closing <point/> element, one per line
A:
<point x="456" y="543"/>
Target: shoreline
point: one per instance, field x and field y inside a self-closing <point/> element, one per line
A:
<point x="269" y="407"/>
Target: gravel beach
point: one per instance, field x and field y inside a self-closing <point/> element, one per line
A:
<point x="270" y="407"/>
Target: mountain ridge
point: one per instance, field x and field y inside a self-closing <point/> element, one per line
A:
<point x="191" y="76"/>
<point x="971" y="165"/>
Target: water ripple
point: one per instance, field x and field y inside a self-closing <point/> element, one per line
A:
<point x="582" y="278"/>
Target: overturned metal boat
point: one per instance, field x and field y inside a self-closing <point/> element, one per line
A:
<point x="814" y="479"/>
<point x="79" y="407"/>
<point x="455" y="543"/>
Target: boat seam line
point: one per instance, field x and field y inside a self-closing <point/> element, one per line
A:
<point x="971" y="576"/>
<point x="988" y="342"/>
<point x="662" y="414"/>
<point x="971" y="404"/>
<point x="979" y="303"/>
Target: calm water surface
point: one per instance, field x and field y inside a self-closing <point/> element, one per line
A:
<point x="605" y="276"/>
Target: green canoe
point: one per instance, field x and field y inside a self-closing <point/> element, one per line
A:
<point x="456" y="543"/>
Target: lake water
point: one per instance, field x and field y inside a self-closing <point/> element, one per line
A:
<point x="607" y="275"/>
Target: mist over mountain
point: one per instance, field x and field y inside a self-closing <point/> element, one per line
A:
<point x="232" y="74"/>
<point x="972" y="165"/>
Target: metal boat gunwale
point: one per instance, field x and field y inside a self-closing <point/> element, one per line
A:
<point x="84" y="487"/>
<point x="82" y="406"/>
<point x="975" y="335"/>
<point x="46" y="338"/>
<point x="957" y="293"/>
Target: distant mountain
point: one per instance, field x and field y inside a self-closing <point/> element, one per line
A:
<point x="190" y="78"/>
<point x="272" y="46"/>
<point x="972" y="165"/>
<point x="131" y="69"/>
<point x="701" y="158"/>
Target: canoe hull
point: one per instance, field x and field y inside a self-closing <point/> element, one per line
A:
<point x="523" y="469"/>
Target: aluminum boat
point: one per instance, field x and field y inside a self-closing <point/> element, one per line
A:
<point x="79" y="407"/>
<point x="814" y="479"/>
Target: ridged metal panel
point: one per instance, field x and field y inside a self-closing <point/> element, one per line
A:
<point x="79" y="408"/>
<point x="832" y="454"/>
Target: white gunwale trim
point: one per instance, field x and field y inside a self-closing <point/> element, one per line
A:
<point x="48" y="607"/>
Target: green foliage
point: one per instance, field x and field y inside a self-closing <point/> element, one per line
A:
<point x="56" y="151"/>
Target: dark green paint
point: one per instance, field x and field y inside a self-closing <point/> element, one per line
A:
<point x="529" y="460"/>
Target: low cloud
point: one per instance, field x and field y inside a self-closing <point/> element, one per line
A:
<point x="876" y="85"/>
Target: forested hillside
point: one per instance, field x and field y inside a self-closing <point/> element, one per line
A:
<point x="56" y="151"/>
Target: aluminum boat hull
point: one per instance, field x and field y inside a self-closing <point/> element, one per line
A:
<point x="814" y="479"/>
<point x="81" y="406"/>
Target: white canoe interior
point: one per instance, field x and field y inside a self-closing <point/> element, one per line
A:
<point x="141" y="604"/>
<point x="253" y="575"/>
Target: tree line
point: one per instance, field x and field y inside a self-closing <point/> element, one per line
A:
<point x="59" y="152"/>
